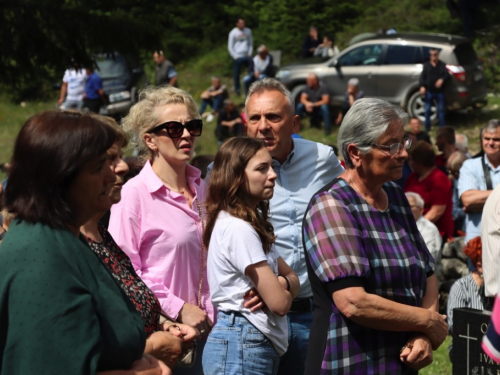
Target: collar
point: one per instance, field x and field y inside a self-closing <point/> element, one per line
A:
<point x="290" y="155"/>
<point x="154" y="183"/>
<point x="488" y="163"/>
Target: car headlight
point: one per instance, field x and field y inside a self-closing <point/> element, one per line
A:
<point x="282" y="74"/>
<point x="119" y="96"/>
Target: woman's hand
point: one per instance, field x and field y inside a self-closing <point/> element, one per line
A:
<point x="147" y="365"/>
<point x="195" y="317"/>
<point x="164" y="346"/>
<point x="417" y="353"/>
<point x="187" y="333"/>
<point x="437" y="329"/>
<point x="253" y="300"/>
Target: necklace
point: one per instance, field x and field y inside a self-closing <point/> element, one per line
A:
<point x="185" y="193"/>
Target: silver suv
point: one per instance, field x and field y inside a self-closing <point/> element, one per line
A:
<point x="389" y="66"/>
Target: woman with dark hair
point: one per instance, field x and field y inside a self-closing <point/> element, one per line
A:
<point x="61" y="311"/>
<point x="374" y="289"/>
<point x="433" y="185"/>
<point x="243" y="264"/>
<point x="165" y="340"/>
<point x="158" y="222"/>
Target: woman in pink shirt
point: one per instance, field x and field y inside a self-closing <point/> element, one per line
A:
<point x="159" y="221"/>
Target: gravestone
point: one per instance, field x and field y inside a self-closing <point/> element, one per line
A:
<point x="468" y="358"/>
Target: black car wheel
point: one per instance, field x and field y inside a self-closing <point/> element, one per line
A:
<point x="416" y="108"/>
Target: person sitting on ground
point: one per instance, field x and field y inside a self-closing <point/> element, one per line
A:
<point x="229" y="123"/>
<point x="467" y="291"/>
<point x="261" y="67"/>
<point x="433" y="186"/>
<point x="453" y="166"/>
<point x="352" y="94"/>
<point x="417" y="131"/>
<point x="214" y="96"/>
<point x="445" y="142"/>
<point x="327" y="48"/>
<point x="165" y="341"/>
<point x="311" y="42"/>
<point x="315" y="101"/>
<point x="165" y="73"/>
<point x="427" y="228"/>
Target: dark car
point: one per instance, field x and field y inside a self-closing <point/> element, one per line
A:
<point x="121" y="80"/>
<point x="389" y="67"/>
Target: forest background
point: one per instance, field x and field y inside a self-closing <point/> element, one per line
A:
<point x="38" y="37"/>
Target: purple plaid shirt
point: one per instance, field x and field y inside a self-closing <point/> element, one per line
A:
<point x="348" y="243"/>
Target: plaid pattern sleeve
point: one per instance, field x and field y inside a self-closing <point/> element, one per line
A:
<point x="349" y="243"/>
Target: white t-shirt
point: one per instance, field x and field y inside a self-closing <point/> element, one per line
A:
<point x="234" y="245"/>
<point x="76" y="83"/>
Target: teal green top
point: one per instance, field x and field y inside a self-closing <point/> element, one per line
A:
<point x="61" y="312"/>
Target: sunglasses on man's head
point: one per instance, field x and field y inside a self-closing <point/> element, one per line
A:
<point x="175" y="129"/>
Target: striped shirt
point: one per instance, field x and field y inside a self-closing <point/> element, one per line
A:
<point x="463" y="293"/>
<point x="349" y="243"/>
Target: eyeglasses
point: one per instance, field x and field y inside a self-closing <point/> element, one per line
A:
<point x="395" y="147"/>
<point x="175" y="129"/>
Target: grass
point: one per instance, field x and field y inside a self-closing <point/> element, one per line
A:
<point x="441" y="364"/>
<point x="194" y="78"/>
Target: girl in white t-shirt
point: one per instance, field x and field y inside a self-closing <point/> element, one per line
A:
<point x="250" y="284"/>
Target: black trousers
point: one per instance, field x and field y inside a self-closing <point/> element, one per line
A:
<point x="92" y="104"/>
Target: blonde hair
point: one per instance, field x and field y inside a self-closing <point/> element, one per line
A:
<point x="144" y="115"/>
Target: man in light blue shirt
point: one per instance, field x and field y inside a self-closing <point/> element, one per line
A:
<point x="303" y="167"/>
<point x="473" y="186"/>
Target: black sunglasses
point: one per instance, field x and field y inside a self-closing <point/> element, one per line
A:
<point x="176" y="128"/>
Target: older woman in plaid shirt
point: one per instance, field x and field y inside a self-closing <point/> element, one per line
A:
<point x="372" y="276"/>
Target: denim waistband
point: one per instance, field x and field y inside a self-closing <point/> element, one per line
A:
<point x="231" y="317"/>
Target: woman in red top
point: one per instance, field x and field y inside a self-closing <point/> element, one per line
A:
<point x="433" y="186"/>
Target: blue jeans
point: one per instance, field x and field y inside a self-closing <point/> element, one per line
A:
<point x="429" y="97"/>
<point x="293" y="361"/>
<point x="237" y="63"/>
<point x="72" y="104"/>
<point x="322" y="112"/>
<point x="249" y="79"/>
<point x="215" y="103"/>
<point x="235" y="346"/>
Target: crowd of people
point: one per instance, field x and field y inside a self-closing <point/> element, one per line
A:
<point x="277" y="258"/>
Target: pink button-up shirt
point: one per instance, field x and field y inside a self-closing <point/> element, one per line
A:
<point x="162" y="236"/>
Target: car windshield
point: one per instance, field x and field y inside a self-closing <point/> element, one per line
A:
<point x="111" y="67"/>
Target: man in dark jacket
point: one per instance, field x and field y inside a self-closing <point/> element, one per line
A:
<point x="432" y="79"/>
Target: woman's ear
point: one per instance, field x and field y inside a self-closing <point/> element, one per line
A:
<point x="150" y="141"/>
<point x="354" y="154"/>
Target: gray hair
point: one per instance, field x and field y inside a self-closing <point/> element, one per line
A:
<point x="353" y="81"/>
<point x="461" y="142"/>
<point x="491" y="126"/>
<point x="365" y="123"/>
<point x="270" y="84"/>
<point x="418" y="199"/>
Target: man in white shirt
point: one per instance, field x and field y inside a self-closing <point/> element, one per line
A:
<point x="427" y="229"/>
<point x="73" y="87"/>
<point x="490" y="235"/>
<point x="240" y="47"/>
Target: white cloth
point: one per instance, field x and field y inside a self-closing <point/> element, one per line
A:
<point x="490" y="236"/>
<point x="76" y="84"/>
<point x="260" y="65"/>
<point x="240" y="43"/>
<point x="235" y="245"/>
<point x="431" y="236"/>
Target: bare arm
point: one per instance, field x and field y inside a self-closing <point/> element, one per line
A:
<point x="173" y="81"/>
<point x="164" y="346"/>
<point x="277" y="299"/>
<point x="376" y="312"/>
<point x="435" y="213"/>
<point x="303" y="99"/>
<point x="473" y="200"/>
<point x="64" y="90"/>
<point x="147" y="365"/>
<point x="325" y="99"/>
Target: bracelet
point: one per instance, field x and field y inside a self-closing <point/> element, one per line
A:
<point x="287" y="282"/>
